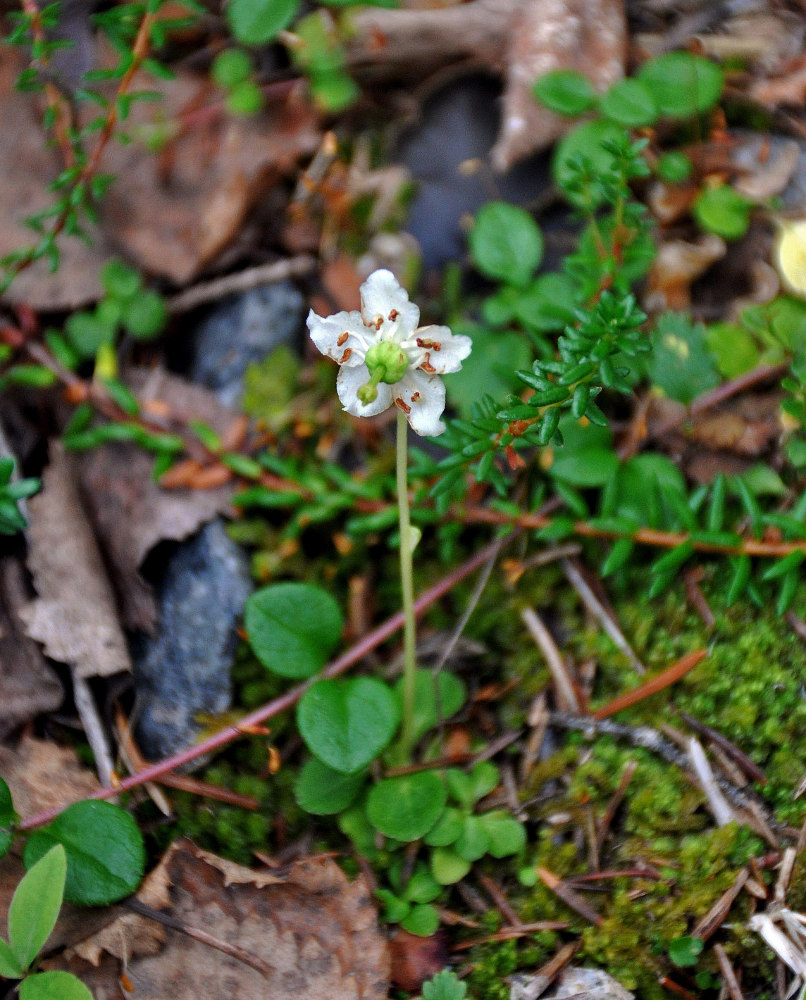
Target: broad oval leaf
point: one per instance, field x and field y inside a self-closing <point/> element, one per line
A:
<point x="36" y="904"/>
<point x="105" y="852"/>
<point x="54" y="985"/>
<point x="506" y="242"/>
<point x="293" y="628"/>
<point x="630" y="103"/>
<point x="682" y="84"/>
<point x="565" y="91"/>
<point x="447" y="866"/>
<point x="507" y="835"/>
<point x="406" y="807"/>
<point x="256" y="22"/>
<point x="324" y="792"/>
<point x="422" y="921"/>
<point x="346" y="724"/>
<point x="7" y="818"/>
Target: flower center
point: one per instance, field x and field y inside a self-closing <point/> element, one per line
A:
<point x="386" y="363"/>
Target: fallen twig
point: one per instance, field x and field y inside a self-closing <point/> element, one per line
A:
<point x="663" y="680"/>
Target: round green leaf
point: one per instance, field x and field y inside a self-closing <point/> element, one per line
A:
<point x="423" y="920"/>
<point x="105" y="852"/>
<point x="447" y="866"/>
<point x="723" y="211"/>
<point x="231" y="67"/>
<point x="395" y="909"/>
<point x="682" y="84"/>
<point x="324" y="792"/>
<point x="145" y="315"/>
<point x="474" y="841"/>
<point x="674" y="167"/>
<point x="506" y="242"/>
<point x="484" y="777"/>
<point x="119" y="280"/>
<point x="460" y="787"/>
<point x="446" y="829"/>
<point x="422" y="886"/>
<point x="7" y="816"/>
<point x="406" y="807"/>
<point x="256" y="22"/>
<point x="436" y="696"/>
<point x="36" y="904"/>
<point x="87" y="332"/>
<point x="53" y="986"/>
<point x="9" y="966"/>
<point x="630" y="103"/>
<point x="244" y="99"/>
<point x="565" y="91"/>
<point x="293" y="627"/>
<point x="346" y="724"/>
<point x="585" y="140"/>
<point x="507" y="835"/>
<point x="548" y="304"/>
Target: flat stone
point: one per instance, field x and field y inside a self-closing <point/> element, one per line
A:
<point x="185" y="669"/>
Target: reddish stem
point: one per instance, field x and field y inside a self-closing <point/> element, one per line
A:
<point x="290" y="698"/>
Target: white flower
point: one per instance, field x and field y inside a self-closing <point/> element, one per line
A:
<point x="386" y="359"/>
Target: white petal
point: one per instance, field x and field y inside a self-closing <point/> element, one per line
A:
<point x="440" y="350"/>
<point x="422" y="399"/>
<point x="385" y="306"/>
<point x="341" y="336"/>
<point x="350" y="381"/>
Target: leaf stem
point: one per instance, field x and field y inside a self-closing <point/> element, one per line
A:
<point x="406" y="585"/>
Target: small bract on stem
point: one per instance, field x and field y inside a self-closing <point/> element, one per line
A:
<point x="385" y="359"/>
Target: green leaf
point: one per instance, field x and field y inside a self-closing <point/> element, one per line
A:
<point x="423" y="920"/>
<point x="587" y="140"/>
<point x="9" y="966"/>
<point x="105" y="852"/>
<point x="323" y="792"/>
<point x="407" y="806"/>
<point x="35" y="906"/>
<point x="436" y="696"/>
<point x="630" y="103"/>
<point x="723" y="211"/>
<point x="507" y="835"/>
<point x="8" y="818"/>
<point x="586" y="457"/>
<point x="674" y="167"/>
<point x="120" y="281"/>
<point x="446" y="829"/>
<point x="733" y="348"/>
<point x="145" y="316"/>
<point x="474" y="841"/>
<point x="53" y="986"/>
<point x="680" y="363"/>
<point x="491" y="367"/>
<point x="422" y="887"/>
<point x="256" y="22"/>
<point x="244" y="99"/>
<point x="684" y="951"/>
<point x="565" y="91"/>
<point x="447" y="866"/>
<point x="395" y="909"/>
<point x="293" y="627"/>
<point x="444" y="986"/>
<point x="548" y="304"/>
<point x="231" y="67"/>
<point x="682" y="84"/>
<point x="506" y="242"/>
<point x="346" y="724"/>
<point x="484" y="777"/>
<point x="87" y="332"/>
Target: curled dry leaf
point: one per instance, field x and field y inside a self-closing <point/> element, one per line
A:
<point x="585" y="35"/>
<point x="316" y="931"/>
<point x="677" y="265"/>
<point x="75" y="616"/>
<point x="130" y="512"/>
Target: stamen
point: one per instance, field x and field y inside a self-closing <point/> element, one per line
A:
<point x="393" y="315"/>
<point x="347" y="352"/>
<point x="415" y="397"/>
<point x="403" y="406"/>
<point x="342" y="339"/>
<point x="433" y="344"/>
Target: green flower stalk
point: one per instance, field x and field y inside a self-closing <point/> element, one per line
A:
<point x="385" y="359"/>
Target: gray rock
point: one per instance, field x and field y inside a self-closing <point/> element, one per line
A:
<point x="185" y="668"/>
<point x="241" y="330"/>
<point x="577" y="982"/>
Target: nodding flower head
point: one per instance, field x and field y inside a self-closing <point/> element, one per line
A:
<point x="386" y="359"/>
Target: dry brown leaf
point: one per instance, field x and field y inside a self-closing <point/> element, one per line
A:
<point x="585" y="35"/>
<point x="75" y="616"/>
<point x="28" y="165"/>
<point x="317" y="932"/>
<point x="129" y="511"/>
<point x="43" y="775"/>
<point x="678" y="264"/>
<point x="173" y="223"/>
<point x="787" y="90"/>
<point x="28" y="685"/>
